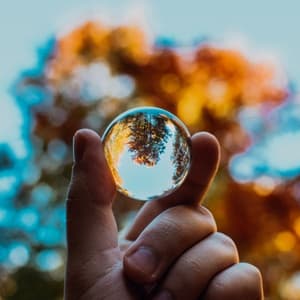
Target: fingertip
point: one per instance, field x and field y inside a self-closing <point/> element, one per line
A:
<point x="253" y="272"/>
<point x="205" y="157"/>
<point x="239" y="281"/>
<point x="86" y="132"/>
<point x="206" y="141"/>
<point x="91" y="170"/>
<point x="79" y="143"/>
<point x="85" y="140"/>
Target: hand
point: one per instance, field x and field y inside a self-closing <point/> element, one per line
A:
<point x="172" y="250"/>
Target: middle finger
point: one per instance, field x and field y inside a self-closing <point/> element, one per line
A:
<point x="205" y="161"/>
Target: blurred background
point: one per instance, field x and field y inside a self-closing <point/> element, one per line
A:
<point x="231" y="68"/>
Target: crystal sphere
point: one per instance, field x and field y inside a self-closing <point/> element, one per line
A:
<point x="148" y="150"/>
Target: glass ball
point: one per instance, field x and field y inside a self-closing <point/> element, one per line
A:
<point x="148" y="150"/>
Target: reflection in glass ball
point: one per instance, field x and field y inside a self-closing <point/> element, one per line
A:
<point x="148" y="151"/>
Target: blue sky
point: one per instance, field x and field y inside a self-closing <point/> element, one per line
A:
<point x="271" y="26"/>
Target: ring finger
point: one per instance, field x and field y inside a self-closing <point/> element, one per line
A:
<point x="191" y="274"/>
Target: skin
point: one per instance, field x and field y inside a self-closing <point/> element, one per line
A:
<point x="171" y="251"/>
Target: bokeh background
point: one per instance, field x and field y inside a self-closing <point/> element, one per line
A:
<point x="231" y="68"/>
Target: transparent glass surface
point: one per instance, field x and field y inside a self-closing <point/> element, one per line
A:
<point x="148" y="151"/>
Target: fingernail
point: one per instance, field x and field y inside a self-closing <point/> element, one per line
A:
<point x="163" y="295"/>
<point x="144" y="260"/>
<point x="78" y="147"/>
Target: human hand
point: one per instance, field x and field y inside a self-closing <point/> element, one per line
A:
<point x="172" y="250"/>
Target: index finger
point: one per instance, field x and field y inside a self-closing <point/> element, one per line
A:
<point x="205" y="161"/>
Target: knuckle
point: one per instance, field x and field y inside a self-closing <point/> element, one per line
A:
<point x="252" y="273"/>
<point x="243" y="283"/>
<point x="177" y="219"/>
<point x="249" y="282"/>
<point x="204" y="211"/>
<point x="224" y="240"/>
<point x="209" y="218"/>
<point x="194" y="216"/>
<point x="227" y="245"/>
<point x="177" y="210"/>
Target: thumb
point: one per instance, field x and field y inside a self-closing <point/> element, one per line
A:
<point x="92" y="236"/>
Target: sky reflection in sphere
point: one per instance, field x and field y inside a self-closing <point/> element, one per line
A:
<point x="148" y="151"/>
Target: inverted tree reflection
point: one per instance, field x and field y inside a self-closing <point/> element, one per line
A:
<point x="147" y="138"/>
